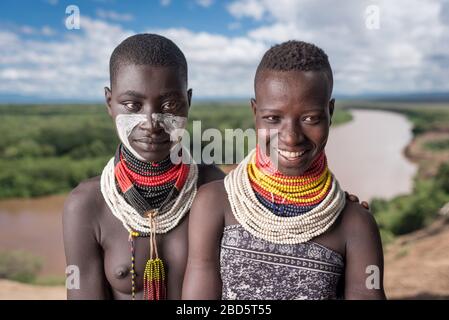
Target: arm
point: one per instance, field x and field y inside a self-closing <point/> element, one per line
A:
<point x="202" y="277"/>
<point x="81" y="246"/>
<point x="364" y="256"/>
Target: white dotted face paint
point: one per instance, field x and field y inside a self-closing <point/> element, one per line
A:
<point x="173" y="125"/>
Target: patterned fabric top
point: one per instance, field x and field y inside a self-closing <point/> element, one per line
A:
<point x="254" y="269"/>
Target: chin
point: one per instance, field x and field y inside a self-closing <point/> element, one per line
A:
<point x="151" y="154"/>
<point x="292" y="171"/>
<point x="294" y="168"/>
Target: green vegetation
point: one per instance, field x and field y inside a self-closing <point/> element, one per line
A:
<point x="438" y="145"/>
<point x="48" y="149"/>
<point x="19" y="266"/>
<point x="407" y="213"/>
<point x="24" y="267"/>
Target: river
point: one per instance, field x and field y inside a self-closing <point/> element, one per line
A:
<point x="366" y="155"/>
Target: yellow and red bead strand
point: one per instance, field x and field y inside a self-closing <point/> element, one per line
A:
<point x="264" y="181"/>
<point x="301" y="181"/>
<point x="295" y="195"/>
<point x="154" y="274"/>
<point x="296" y="191"/>
<point x="265" y="166"/>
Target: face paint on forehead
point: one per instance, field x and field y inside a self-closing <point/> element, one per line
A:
<point x="172" y="125"/>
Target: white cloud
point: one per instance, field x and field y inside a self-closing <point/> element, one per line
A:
<point x="410" y="51"/>
<point x="115" y="16"/>
<point x="205" y="3"/>
<point x="45" y="31"/>
<point x="234" y="25"/>
<point x="409" y="46"/>
<point x="74" y="67"/>
<point x="77" y="66"/>
<point x="165" y="3"/>
<point x="247" y="8"/>
<point x="218" y="65"/>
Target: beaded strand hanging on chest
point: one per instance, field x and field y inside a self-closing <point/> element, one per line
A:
<point x="149" y="199"/>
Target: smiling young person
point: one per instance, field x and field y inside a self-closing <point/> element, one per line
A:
<point x="126" y="231"/>
<point x="285" y="231"/>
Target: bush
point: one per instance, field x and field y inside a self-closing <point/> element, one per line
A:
<point x="19" y="266"/>
<point x="405" y="214"/>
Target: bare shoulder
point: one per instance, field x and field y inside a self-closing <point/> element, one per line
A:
<point x="357" y="221"/>
<point x="213" y="190"/>
<point x="210" y="201"/>
<point x="208" y="173"/>
<point x="83" y="204"/>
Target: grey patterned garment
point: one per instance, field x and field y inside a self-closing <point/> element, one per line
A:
<point x="255" y="269"/>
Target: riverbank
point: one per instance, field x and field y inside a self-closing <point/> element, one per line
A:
<point x="416" y="263"/>
<point x="429" y="150"/>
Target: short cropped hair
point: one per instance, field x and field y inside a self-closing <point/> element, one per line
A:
<point x="147" y="49"/>
<point x="294" y="56"/>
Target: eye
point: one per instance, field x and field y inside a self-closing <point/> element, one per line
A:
<point x="132" y="106"/>
<point x="271" y="118"/>
<point x="312" y="119"/>
<point x="170" y="105"/>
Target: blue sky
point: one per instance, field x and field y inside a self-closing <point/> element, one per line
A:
<point x="133" y="14"/>
<point x="374" y="46"/>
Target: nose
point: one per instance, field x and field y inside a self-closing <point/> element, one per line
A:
<point x="153" y="127"/>
<point x="291" y="133"/>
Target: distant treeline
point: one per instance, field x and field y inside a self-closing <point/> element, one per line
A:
<point x="48" y="149"/>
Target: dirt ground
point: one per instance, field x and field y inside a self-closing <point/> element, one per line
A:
<point x="427" y="160"/>
<point x="417" y="264"/>
<point x="10" y="290"/>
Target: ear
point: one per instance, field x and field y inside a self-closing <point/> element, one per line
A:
<point x="254" y="106"/>
<point x="331" y="109"/>
<point x="108" y="98"/>
<point x="189" y="97"/>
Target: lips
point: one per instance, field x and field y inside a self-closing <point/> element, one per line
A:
<point x="291" y="155"/>
<point x="147" y="140"/>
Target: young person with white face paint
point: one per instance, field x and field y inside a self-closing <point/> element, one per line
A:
<point x="126" y="230"/>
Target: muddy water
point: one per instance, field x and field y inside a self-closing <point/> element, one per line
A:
<point x="35" y="226"/>
<point x="366" y="154"/>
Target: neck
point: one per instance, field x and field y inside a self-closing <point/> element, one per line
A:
<point x="156" y="182"/>
<point x="144" y="167"/>
<point x="289" y="195"/>
<point x="264" y="163"/>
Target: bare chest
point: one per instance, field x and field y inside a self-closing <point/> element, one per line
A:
<point x="116" y="244"/>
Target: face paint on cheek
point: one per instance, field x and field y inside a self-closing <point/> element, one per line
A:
<point x="125" y="123"/>
<point x="173" y="125"/>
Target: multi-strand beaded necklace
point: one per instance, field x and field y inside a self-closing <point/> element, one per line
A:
<point x="283" y="209"/>
<point x="149" y="198"/>
<point x="286" y="195"/>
